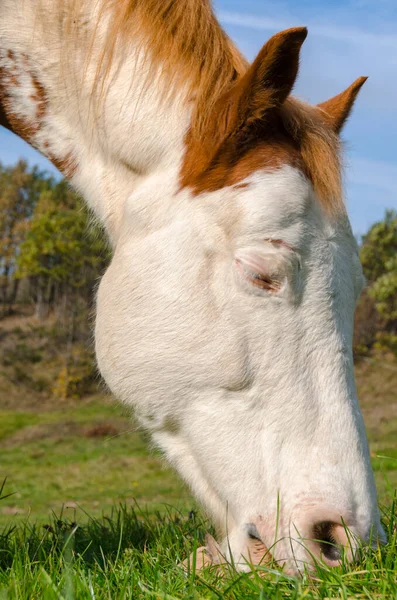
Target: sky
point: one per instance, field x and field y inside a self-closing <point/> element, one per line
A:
<point x="347" y="39"/>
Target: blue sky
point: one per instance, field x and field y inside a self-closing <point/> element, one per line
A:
<point x="346" y="39"/>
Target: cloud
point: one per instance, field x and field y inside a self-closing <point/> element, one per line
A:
<point x="375" y="173"/>
<point x="334" y="32"/>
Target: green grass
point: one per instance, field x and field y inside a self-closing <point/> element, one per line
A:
<point x="134" y="554"/>
<point x="81" y="457"/>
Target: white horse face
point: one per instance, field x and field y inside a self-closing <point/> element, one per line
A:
<point x="228" y="324"/>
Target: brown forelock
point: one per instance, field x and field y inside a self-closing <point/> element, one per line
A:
<point x="295" y="135"/>
<point x="261" y="146"/>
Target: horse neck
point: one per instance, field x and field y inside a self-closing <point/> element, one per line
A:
<point x="107" y="140"/>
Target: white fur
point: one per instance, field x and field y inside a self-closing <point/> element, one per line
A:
<point x="250" y="394"/>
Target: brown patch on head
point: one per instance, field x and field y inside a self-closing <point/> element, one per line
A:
<point x="243" y="132"/>
<point x="237" y="158"/>
<point x="295" y="135"/>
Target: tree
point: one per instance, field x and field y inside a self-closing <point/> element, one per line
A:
<point x="63" y="253"/>
<point x="20" y="188"/>
<point x="378" y="246"/>
<point x="384" y="292"/>
<point x="379" y="259"/>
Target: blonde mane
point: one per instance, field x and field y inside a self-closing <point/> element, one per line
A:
<point x="182" y="36"/>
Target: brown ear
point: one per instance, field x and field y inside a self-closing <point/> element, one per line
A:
<point x="265" y="86"/>
<point x="270" y="78"/>
<point x="338" y="108"/>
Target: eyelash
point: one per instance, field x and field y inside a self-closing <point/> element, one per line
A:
<point x="264" y="283"/>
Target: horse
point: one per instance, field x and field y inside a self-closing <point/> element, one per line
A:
<point x="225" y="318"/>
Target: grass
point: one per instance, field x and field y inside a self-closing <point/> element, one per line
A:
<point x="134" y="554"/>
<point x="82" y="457"/>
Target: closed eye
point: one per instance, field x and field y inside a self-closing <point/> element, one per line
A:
<point x="260" y="280"/>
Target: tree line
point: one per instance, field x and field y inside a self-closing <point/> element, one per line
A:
<point x="52" y="254"/>
<point x="376" y="314"/>
<point x="51" y="251"/>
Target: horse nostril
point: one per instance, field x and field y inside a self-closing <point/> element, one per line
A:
<point x="252" y="532"/>
<point x="326" y="536"/>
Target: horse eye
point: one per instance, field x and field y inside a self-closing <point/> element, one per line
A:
<point x="260" y="280"/>
<point x="265" y="282"/>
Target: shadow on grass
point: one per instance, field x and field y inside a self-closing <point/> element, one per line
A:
<point x="126" y="529"/>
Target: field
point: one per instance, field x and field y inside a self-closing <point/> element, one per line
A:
<point x="89" y="510"/>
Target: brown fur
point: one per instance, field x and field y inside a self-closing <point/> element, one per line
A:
<point x="67" y="165"/>
<point x="9" y="79"/>
<point x="3" y="115"/>
<point x="9" y="118"/>
<point x="235" y="160"/>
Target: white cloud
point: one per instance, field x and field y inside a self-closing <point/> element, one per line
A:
<point x="333" y="32"/>
<point x="375" y="173"/>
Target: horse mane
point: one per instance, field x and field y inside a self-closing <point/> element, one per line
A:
<point x="183" y="37"/>
<point x="195" y="54"/>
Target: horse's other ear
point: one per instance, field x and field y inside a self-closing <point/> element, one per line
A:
<point x="270" y="78"/>
<point x="337" y="109"/>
